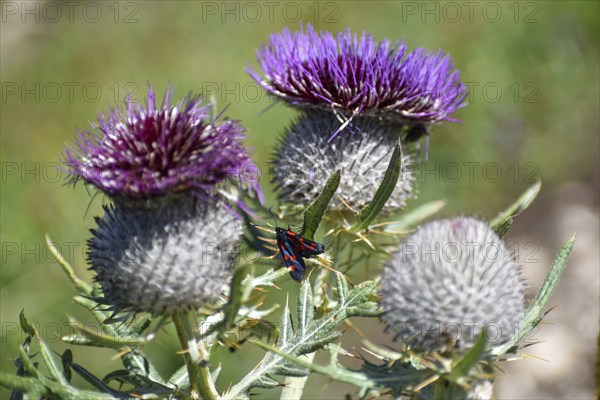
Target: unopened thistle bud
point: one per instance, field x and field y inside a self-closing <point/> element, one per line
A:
<point x="450" y="280"/>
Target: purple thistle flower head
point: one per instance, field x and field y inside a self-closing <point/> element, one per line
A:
<point x="147" y="151"/>
<point x="359" y="75"/>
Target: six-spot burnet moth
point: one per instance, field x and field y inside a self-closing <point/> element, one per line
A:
<point x="294" y="249"/>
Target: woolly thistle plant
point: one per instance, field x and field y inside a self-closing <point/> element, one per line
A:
<point x="166" y="249"/>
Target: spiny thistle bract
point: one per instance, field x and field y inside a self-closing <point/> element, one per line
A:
<point x="304" y="160"/>
<point x="176" y="256"/>
<point x="149" y="151"/>
<point x="450" y="279"/>
<point x="359" y="75"/>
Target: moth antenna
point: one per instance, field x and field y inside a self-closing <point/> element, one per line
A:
<point x="253" y="225"/>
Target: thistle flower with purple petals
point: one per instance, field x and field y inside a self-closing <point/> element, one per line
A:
<point x="150" y="151"/>
<point x="359" y="75"/>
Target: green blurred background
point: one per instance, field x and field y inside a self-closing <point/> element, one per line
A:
<point x="534" y="77"/>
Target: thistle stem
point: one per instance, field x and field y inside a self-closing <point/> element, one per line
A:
<point x="195" y="356"/>
<point x="294" y="386"/>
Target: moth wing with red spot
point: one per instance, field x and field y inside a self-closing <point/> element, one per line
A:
<point x="292" y="260"/>
<point x="304" y="247"/>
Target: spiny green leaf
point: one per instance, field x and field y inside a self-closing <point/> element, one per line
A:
<point x="215" y="374"/>
<point x="330" y="371"/>
<point x="268" y="277"/>
<point x="94" y="308"/>
<point x="28" y="366"/>
<point x="388" y="184"/>
<point x="25" y="325"/>
<point x="306" y="310"/>
<point x="37" y="388"/>
<point x="136" y="363"/>
<point x="382" y="353"/>
<point x="535" y="312"/>
<point x="82" y="286"/>
<point x="180" y="377"/>
<point x="236" y="298"/>
<point x="473" y="356"/>
<point x="287" y="330"/>
<point x="55" y="371"/>
<point x="312" y="334"/>
<point x="504" y="220"/>
<point x="267" y="382"/>
<point x="315" y="211"/>
<point x="370" y="377"/>
<point x="95" y="337"/>
<point x="34" y="388"/>
<point x="77" y="340"/>
<point x="342" y="286"/>
<point x="410" y="218"/>
<point x="293" y="386"/>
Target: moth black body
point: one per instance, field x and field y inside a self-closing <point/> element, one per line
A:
<point x="294" y="249"/>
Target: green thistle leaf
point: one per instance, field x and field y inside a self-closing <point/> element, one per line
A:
<point x="56" y="372"/>
<point x="137" y="364"/>
<point x="95" y="337"/>
<point x="25" y="325"/>
<point x="305" y="309"/>
<point x="44" y="388"/>
<point x="286" y="328"/>
<point x="82" y="286"/>
<point x="29" y="367"/>
<point x="473" y="356"/>
<point x="535" y="312"/>
<point x="311" y="334"/>
<point x="388" y="184"/>
<point x="408" y="219"/>
<point x="314" y="213"/>
<point x="504" y="220"/>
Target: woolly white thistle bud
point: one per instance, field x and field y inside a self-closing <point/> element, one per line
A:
<point x="449" y="280"/>
<point x="175" y="256"/>
<point x="305" y="159"/>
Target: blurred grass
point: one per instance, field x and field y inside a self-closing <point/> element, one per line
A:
<point x="548" y="129"/>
